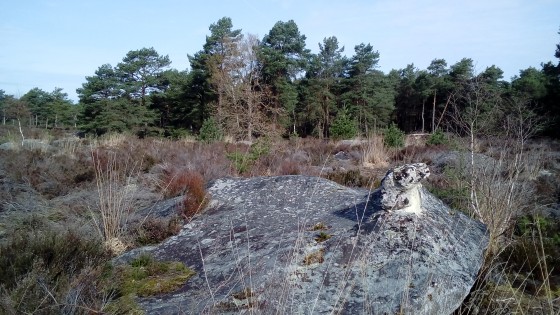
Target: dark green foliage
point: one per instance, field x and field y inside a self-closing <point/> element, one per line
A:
<point x="343" y="127"/>
<point x="393" y="137"/>
<point x="210" y="131"/>
<point x="283" y="56"/>
<point x="243" y="161"/>
<point x="119" y="115"/>
<point x="52" y="109"/>
<point x="536" y="242"/>
<point x="154" y="230"/>
<point x="301" y="92"/>
<point x="437" y="138"/>
<point x="119" y="99"/>
<point x="141" y="73"/>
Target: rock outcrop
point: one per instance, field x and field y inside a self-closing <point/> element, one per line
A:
<point x="305" y="245"/>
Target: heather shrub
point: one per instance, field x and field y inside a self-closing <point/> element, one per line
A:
<point x="350" y="178"/>
<point x="196" y="197"/>
<point x="43" y="272"/>
<point x="288" y="167"/>
<point x="174" y="181"/>
<point x="155" y="230"/>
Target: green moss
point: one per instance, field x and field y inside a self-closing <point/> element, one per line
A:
<point x="174" y="276"/>
<point x="319" y="227"/>
<point x="124" y="305"/>
<point x="144" y="277"/>
<point x="317" y="257"/>
<point x="322" y="237"/>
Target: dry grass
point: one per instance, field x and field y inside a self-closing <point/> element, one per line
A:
<point x="374" y="153"/>
<point x="115" y="191"/>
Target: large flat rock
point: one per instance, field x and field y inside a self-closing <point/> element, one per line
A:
<point x="257" y="249"/>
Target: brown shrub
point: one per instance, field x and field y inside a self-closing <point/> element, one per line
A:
<point x="415" y="154"/>
<point x="289" y="167"/>
<point x="155" y="230"/>
<point x="350" y="178"/>
<point x="196" y="196"/>
<point x="174" y="182"/>
<point x="319" y="150"/>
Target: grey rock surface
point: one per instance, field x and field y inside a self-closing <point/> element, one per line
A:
<point x="306" y="245"/>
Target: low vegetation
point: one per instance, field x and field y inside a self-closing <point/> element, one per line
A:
<point x="58" y="233"/>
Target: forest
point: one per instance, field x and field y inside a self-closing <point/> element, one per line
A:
<point x="245" y="87"/>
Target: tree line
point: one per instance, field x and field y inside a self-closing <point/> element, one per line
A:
<point x="248" y="87"/>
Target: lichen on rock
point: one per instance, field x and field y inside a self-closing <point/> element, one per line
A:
<point x="262" y="234"/>
<point x="400" y="189"/>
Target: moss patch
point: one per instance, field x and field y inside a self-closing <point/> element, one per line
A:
<point x="321" y="237"/>
<point x="144" y="277"/>
<point x="317" y="257"/>
<point x="320" y="226"/>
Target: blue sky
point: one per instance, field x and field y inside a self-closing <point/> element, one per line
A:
<point x="52" y="43"/>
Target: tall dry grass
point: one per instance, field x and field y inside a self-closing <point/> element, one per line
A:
<point x="374" y="153"/>
<point x="115" y="198"/>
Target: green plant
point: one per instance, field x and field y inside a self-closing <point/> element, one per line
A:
<point x="145" y="276"/>
<point x="393" y="137"/>
<point x="343" y="127"/>
<point x="316" y="257"/>
<point x="155" y="230"/>
<point x="437" y="138"/>
<point x="452" y="188"/>
<point x="210" y="131"/>
<point x="321" y="237"/>
<point x="319" y="226"/>
<point x="242" y="161"/>
<point x="43" y="267"/>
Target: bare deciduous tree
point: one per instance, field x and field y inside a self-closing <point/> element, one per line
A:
<point x="240" y="108"/>
<point x="17" y="110"/>
<point x="474" y="113"/>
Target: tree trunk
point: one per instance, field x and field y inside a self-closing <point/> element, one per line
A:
<point x="249" y="121"/>
<point x="423" y="106"/>
<point x="21" y="132"/>
<point x="434" y="113"/>
<point x="474" y="197"/>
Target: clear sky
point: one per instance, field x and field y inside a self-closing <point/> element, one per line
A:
<point x="57" y="43"/>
